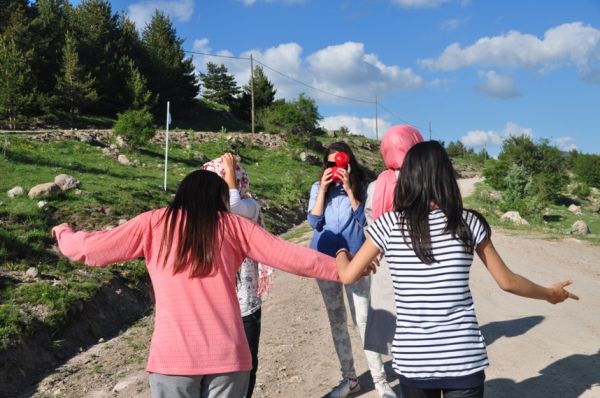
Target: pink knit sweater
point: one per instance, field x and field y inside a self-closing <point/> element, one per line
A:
<point x="198" y="327"/>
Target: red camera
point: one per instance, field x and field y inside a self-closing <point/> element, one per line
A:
<point x="341" y="162"/>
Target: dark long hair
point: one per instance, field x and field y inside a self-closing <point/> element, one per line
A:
<point x="428" y="178"/>
<point x="357" y="175"/>
<point x="194" y="212"/>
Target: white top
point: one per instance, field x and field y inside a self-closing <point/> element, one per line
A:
<point x="247" y="282"/>
<point x="437" y="334"/>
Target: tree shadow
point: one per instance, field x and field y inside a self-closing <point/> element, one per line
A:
<point x="569" y="377"/>
<point x="494" y="330"/>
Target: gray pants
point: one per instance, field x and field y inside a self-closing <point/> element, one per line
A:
<point x="358" y="301"/>
<point x="223" y="385"/>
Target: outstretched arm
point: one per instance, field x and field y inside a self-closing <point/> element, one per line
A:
<point x="362" y="262"/>
<point x="517" y="284"/>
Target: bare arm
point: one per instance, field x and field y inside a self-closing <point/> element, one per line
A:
<point x="319" y="205"/>
<point x="517" y="284"/>
<point x="362" y="262"/>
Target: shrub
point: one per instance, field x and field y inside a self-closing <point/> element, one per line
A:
<point x="587" y="168"/>
<point x="582" y="191"/>
<point x="299" y="117"/>
<point x="135" y="126"/>
<point x="518" y="184"/>
<point x="495" y="174"/>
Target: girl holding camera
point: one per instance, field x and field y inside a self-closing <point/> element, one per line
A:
<point x="336" y="215"/>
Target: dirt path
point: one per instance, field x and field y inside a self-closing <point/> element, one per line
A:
<point x="536" y="350"/>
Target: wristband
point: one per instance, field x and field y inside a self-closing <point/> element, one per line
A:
<point x="343" y="249"/>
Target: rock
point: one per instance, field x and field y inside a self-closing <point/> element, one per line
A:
<point x="113" y="147"/>
<point x="107" y="152"/>
<point x="32" y="273"/>
<point x="580" y="227"/>
<point x="66" y="182"/>
<point x="123" y="159"/>
<point x="16" y="191"/>
<point x="42" y="204"/>
<point x="122" y="221"/>
<point x="573" y="208"/>
<point x="84" y="137"/>
<point x="121" y="142"/>
<point x="45" y="189"/>
<point x="100" y="340"/>
<point x="303" y="156"/>
<point x="514" y="217"/>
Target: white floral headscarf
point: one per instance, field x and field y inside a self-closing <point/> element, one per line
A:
<point x="265" y="273"/>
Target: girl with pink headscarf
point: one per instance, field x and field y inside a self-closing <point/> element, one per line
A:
<point x="253" y="279"/>
<point x="381" y="319"/>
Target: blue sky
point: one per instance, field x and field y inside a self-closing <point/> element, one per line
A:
<point x="478" y="71"/>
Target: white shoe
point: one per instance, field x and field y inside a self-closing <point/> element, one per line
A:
<point x="345" y="388"/>
<point x="384" y="390"/>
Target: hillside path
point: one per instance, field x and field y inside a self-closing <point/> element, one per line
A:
<point x="536" y="350"/>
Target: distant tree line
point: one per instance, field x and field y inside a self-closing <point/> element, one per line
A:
<point x="532" y="175"/>
<point x="60" y="61"/>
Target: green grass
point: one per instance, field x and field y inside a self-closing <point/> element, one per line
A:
<point x="110" y="191"/>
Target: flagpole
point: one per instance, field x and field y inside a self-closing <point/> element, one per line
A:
<point x="167" y="144"/>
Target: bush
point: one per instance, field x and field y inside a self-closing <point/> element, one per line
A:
<point x="135" y="126"/>
<point x="299" y="117"/>
<point x="518" y="183"/>
<point x="587" y="168"/>
<point x="495" y="174"/>
<point x="582" y="191"/>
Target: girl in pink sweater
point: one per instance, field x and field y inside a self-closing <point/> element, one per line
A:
<point x="193" y="250"/>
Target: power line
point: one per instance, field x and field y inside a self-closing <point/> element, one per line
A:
<point x="309" y="86"/>
<point x="312" y="87"/>
<point x="401" y="119"/>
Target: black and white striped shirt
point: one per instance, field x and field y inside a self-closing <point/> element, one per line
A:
<point x="437" y="335"/>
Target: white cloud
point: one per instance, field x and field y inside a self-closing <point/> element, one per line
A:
<point x="481" y="139"/>
<point x="356" y="125"/>
<point x="570" y="43"/>
<point x="453" y="24"/>
<point x="141" y="13"/>
<point x="344" y="70"/>
<point x="489" y="139"/>
<point x="419" y="3"/>
<point x="514" y="130"/>
<point x="498" y="86"/>
<point x="201" y="45"/>
<point x="566" y="143"/>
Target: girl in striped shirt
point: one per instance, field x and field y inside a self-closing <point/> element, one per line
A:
<point x="429" y="242"/>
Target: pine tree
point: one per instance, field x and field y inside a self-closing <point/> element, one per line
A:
<point x="141" y="97"/>
<point x="76" y="87"/>
<point x="219" y="86"/>
<point x="170" y="75"/>
<point x="98" y="32"/>
<point x="264" y="95"/>
<point x="15" y="94"/>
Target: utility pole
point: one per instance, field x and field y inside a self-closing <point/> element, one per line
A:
<point x="252" y="89"/>
<point x="376" y="122"/>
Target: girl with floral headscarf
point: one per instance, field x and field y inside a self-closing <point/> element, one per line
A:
<point x="254" y="279"/>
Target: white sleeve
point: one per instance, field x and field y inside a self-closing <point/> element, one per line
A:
<point x="369" y="202"/>
<point x="246" y="207"/>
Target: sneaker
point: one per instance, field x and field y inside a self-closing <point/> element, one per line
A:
<point x="384" y="390"/>
<point x="346" y="387"/>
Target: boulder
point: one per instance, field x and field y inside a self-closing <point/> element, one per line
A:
<point x="580" y="227"/>
<point x="16" y="191"/>
<point x="514" y="217"/>
<point x="45" y="189"/>
<point x="573" y="208"/>
<point x="123" y="159"/>
<point x="65" y="181"/>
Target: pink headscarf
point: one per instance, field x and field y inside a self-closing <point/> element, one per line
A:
<point x="394" y="145"/>
<point x="265" y="273"/>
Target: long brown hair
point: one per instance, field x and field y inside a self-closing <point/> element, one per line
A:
<point x="427" y="177"/>
<point x="200" y="200"/>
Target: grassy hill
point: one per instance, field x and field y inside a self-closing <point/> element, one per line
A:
<point x="39" y="310"/>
